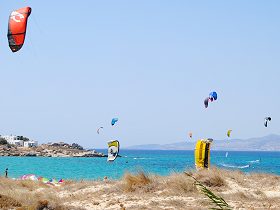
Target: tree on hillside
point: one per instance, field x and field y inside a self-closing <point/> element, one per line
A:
<point x="3" y="141"/>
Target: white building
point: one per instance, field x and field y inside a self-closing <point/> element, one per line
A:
<point x="30" y="143"/>
<point x="15" y="140"/>
<point x="20" y="141"/>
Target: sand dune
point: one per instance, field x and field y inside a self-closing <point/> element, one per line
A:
<point x="146" y="191"/>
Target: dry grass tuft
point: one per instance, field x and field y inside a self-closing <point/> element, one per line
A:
<point x="7" y="202"/>
<point x="178" y="183"/>
<point x="133" y="182"/>
<point x="211" y="178"/>
<point x="42" y="205"/>
<point x="29" y="195"/>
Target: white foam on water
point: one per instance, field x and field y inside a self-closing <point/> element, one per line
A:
<point x="254" y="161"/>
<point x="233" y="166"/>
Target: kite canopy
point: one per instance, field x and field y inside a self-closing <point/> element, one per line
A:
<point x="206" y="102"/>
<point x="228" y="133"/>
<point x="44" y="180"/>
<point x="113" y="150"/>
<point x="190" y="134"/>
<point x="29" y="177"/>
<point x="99" y="129"/>
<point x="266" y="120"/>
<point x="17" y="28"/>
<point x="50" y="181"/>
<point x="114" y="120"/>
<point x="202" y="153"/>
<point x="213" y="96"/>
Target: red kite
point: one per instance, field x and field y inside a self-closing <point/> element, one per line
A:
<point x="17" y="28"/>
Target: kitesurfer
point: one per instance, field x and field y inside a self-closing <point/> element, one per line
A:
<point x="6" y="173"/>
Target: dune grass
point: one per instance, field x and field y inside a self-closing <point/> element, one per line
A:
<point x="142" y="190"/>
<point x="132" y="182"/>
<point x="28" y="195"/>
<point x="218" y="201"/>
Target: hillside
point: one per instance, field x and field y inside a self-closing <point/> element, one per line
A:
<point x="266" y="143"/>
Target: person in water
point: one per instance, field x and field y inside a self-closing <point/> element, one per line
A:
<point x="6" y="173"/>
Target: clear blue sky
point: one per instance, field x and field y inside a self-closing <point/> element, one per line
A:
<point x="149" y="63"/>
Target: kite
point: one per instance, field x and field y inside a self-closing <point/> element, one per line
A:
<point x="202" y="153"/>
<point x="99" y="129"/>
<point x="17" y="28"/>
<point x="213" y="96"/>
<point x="266" y="120"/>
<point x="228" y="133"/>
<point x="113" y="150"/>
<point x="114" y="120"/>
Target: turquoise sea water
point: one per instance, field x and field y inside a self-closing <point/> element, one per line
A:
<point x="158" y="162"/>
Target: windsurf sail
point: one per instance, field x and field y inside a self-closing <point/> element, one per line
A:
<point x="17" y="28"/>
<point x="113" y="150"/>
<point x="202" y="153"/>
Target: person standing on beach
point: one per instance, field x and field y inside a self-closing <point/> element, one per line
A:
<point x="6" y="173"/>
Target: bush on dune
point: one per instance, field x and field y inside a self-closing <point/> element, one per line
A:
<point x="134" y="182"/>
<point x="28" y="195"/>
<point x="179" y="184"/>
<point x="174" y="184"/>
<point x="211" y="178"/>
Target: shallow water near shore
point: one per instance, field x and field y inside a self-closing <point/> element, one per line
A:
<point x="159" y="162"/>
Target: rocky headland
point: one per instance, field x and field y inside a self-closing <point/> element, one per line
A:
<point x="49" y="150"/>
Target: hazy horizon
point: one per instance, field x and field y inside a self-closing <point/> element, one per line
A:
<point x="149" y="63"/>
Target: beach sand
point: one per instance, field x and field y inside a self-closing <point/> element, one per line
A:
<point x="146" y="191"/>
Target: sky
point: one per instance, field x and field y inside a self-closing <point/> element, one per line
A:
<point x="149" y="63"/>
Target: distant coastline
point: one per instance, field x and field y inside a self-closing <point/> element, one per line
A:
<point x="267" y="143"/>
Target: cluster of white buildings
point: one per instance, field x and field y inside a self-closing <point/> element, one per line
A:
<point x="20" y="141"/>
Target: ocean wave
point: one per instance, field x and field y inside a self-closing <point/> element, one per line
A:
<point x="254" y="161"/>
<point x="234" y="166"/>
<point x="141" y="158"/>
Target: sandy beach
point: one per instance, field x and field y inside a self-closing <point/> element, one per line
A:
<point x="145" y="191"/>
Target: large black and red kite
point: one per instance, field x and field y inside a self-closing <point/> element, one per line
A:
<point x="17" y="28"/>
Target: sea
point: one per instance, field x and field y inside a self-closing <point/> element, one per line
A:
<point x="160" y="162"/>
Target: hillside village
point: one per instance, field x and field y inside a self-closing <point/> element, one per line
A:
<point x="22" y="146"/>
